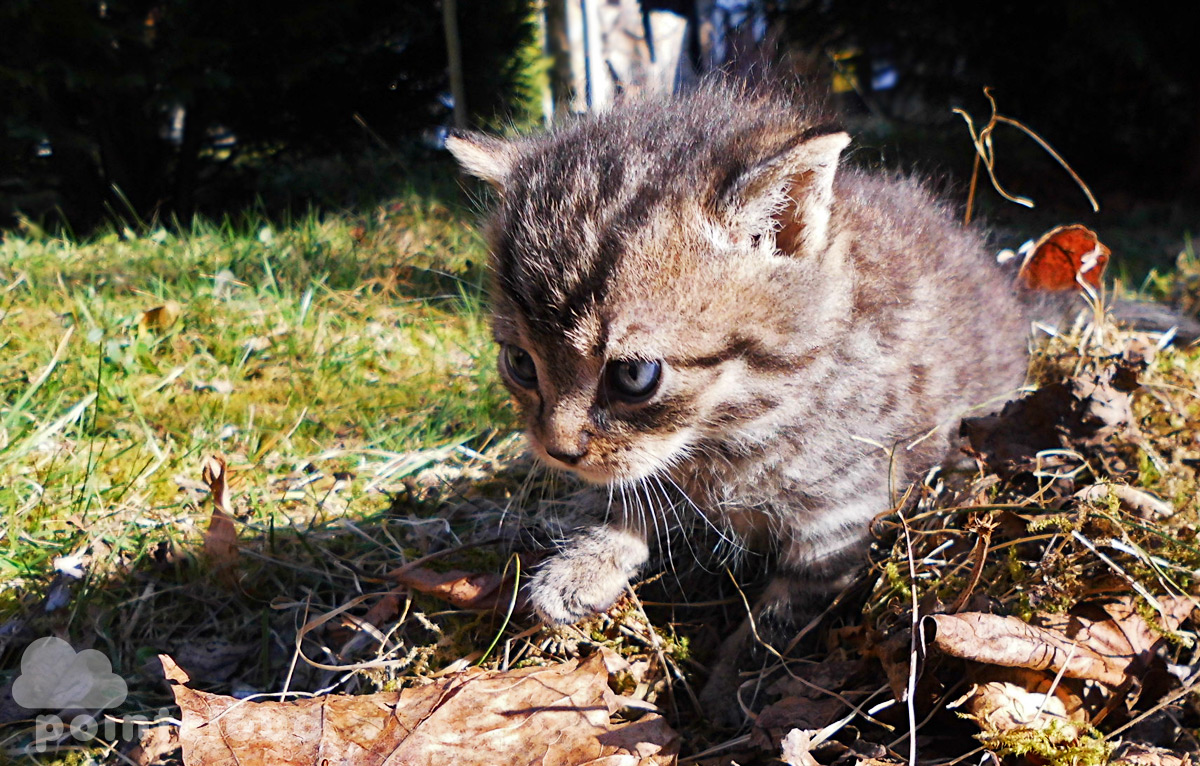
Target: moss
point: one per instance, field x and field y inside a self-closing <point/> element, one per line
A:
<point x="1057" y="744"/>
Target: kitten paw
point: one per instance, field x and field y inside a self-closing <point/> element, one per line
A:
<point x="587" y="576"/>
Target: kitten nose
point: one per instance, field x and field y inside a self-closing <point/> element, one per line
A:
<point x="569" y="453"/>
<point x="566" y="457"/>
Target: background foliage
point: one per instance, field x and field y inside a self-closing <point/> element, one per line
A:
<point x="1113" y="85"/>
<point x="91" y="92"/>
<point x="94" y="85"/>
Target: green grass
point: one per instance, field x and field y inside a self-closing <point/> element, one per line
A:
<point x="286" y="344"/>
<point x="323" y="356"/>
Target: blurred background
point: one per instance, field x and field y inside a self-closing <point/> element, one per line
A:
<point x="159" y="109"/>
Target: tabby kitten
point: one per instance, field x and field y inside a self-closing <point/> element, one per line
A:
<point x="693" y="293"/>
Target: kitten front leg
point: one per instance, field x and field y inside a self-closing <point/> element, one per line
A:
<point x="589" y="574"/>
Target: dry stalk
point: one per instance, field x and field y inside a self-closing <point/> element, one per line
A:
<point x="985" y="153"/>
<point x="983" y="527"/>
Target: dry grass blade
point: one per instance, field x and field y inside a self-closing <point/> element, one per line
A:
<point x="985" y="152"/>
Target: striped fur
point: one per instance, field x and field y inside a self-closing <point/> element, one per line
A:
<point x="820" y="330"/>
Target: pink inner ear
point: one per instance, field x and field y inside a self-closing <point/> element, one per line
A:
<point x="805" y="171"/>
<point x="791" y="226"/>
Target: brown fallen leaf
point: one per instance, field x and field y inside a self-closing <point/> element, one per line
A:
<point x="384" y="610"/>
<point x="807" y="700"/>
<point x="1010" y="642"/>
<point x="153" y="745"/>
<point x="793" y="714"/>
<point x="1107" y="641"/>
<point x="1135" y="754"/>
<point x="1010" y="699"/>
<point x="160" y="318"/>
<point x="1115" y="630"/>
<point x="550" y="716"/>
<point x="894" y="654"/>
<point x="215" y="660"/>
<point x="220" y="541"/>
<point x="465" y="590"/>
<point x="1084" y="413"/>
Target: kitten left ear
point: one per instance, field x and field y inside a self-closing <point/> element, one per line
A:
<point x="483" y="156"/>
<point x="793" y="192"/>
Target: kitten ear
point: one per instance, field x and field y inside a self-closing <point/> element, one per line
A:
<point x="485" y="157"/>
<point x="793" y="192"/>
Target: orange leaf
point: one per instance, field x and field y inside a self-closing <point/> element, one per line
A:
<point x="160" y="318"/>
<point x="1062" y="258"/>
<point x="462" y="589"/>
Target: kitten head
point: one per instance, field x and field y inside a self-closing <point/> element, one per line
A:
<point x="641" y="258"/>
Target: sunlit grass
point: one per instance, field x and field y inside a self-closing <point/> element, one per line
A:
<point x="339" y="341"/>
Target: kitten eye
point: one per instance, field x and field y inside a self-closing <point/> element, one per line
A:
<point x="632" y="381"/>
<point x="520" y="365"/>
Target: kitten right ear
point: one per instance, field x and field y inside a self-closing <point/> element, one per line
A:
<point x="483" y="156"/>
<point x="793" y="192"/>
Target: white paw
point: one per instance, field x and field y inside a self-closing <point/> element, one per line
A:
<point x="587" y="576"/>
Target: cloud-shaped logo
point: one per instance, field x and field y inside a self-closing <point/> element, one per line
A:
<point x="54" y="676"/>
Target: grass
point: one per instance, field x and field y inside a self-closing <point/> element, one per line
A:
<point x="331" y="358"/>
<point x="366" y="334"/>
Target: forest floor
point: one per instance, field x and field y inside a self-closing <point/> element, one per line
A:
<point x="330" y="382"/>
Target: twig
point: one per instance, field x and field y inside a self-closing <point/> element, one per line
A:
<point x="985" y="153"/>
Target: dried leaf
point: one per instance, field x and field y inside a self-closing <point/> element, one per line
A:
<point x="1009" y="642"/>
<point x="463" y="589"/>
<point x="383" y="611"/>
<point x="818" y="679"/>
<point x="552" y="716"/>
<point x="1084" y="413"/>
<point x="807" y="700"/>
<point x="895" y="656"/>
<point x="1115" y="629"/>
<point x="796" y="747"/>
<point x="1134" y="754"/>
<point x="1108" y="641"/>
<point x="160" y="318"/>
<point x="215" y="660"/>
<point x="792" y="714"/>
<point x="1008" y="699"/>
<point x="153" y="745"/>
<point x="1064" y="258"/>
<point x="220" y="541"/>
